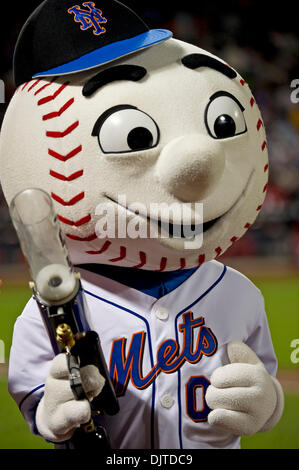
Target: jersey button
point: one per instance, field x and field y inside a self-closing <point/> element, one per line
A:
<point x="162" y="313"/>
<point x="167" y="401"/>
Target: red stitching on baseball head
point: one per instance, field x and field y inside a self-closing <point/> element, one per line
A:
<point x="24" y="86"/>
<point x="182" y="263"/>
<point x="102" y="250"/>
<point x="122" y="255"/>
<point x="201" y="259"/>
<point x="163" y="263"/>
<point x="52" y="97"/>
<point x="259" y="124"/>
<point x="76" y="223"/>
<point x="89" y="238"/>
<point x="71" y="202"/>
<point x="45" y="86"/>
<point x="264" y="145"/>
<point x="34" y="85"/>
<point x="59" y="135"/>
<point x="58" y="113"/>
<point x="72" y="177"/>
<point x="64" y="158"/>
<point x="218" y="250"/>
<point x="142" y="257"/>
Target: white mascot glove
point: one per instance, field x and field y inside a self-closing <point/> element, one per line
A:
<point x="243" y="397"/>
<point x="58" y="413"/>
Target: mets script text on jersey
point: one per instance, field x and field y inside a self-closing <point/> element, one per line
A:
<point x="125" y="367"/>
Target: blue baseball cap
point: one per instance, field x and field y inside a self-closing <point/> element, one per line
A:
<point x="62" y="37"/>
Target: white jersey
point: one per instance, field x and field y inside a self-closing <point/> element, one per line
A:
<point x="160" y="353"/>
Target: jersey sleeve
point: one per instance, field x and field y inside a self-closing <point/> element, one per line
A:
<point x="30" y="359"/>
<point x="260" y="337"/>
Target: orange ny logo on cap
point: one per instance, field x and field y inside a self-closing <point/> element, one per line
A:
<point x="91" y="18"/>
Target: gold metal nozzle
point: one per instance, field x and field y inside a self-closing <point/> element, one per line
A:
<point x="88" y="427"/>
<point x="65" y="336"/>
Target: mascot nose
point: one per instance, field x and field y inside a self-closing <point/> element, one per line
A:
<point x="189" y="167"/>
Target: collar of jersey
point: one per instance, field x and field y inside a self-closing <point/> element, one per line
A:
<point x="152" y="283"/>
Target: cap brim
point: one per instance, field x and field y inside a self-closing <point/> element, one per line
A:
<point x="109" y="52"/>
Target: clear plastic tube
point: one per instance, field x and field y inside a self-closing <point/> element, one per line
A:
<point x="36" y="224"/>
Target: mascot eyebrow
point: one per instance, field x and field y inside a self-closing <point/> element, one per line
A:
<point x="118" y="72"/>
<point x="194" y="61"/>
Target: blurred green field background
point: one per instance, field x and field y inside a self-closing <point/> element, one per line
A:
<point x="282" y="305"/>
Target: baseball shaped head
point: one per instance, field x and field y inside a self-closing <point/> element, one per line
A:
<point x="134" y="152"/>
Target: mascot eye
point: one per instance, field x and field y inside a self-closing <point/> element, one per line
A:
<point x="124" y="129"/>
<point x="224" y="116"/>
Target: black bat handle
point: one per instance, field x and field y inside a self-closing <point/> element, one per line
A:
<point x="89" y="351"/>
<point x="97" y="439"/>
<point x="89" y="435"/>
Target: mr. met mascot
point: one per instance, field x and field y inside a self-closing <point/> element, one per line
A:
<point x="107" y="111"/>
